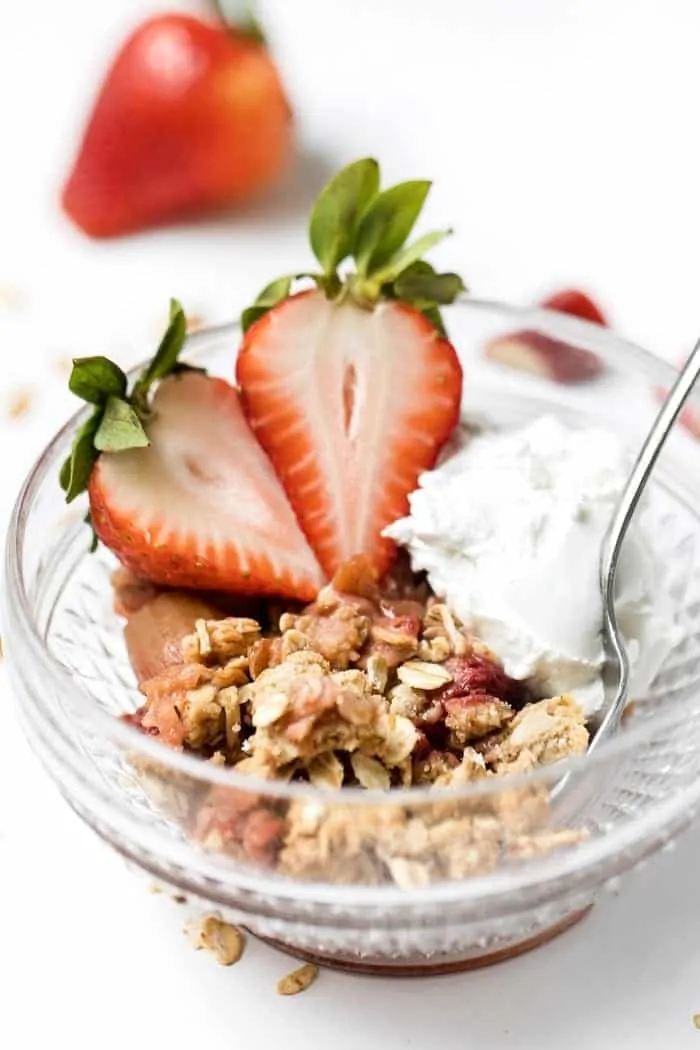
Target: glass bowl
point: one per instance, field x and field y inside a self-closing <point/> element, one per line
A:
<point x="412" y="881"/>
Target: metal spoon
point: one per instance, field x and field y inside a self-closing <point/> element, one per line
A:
<point x="616" y="672"/>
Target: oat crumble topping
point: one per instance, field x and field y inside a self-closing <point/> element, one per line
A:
<point x="360" y="689"/>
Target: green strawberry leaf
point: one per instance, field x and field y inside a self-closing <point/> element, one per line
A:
<point x="64" y="476"/>
<point x="410" y="254"/>
<point x="238" y="15"/>
<point x="250" y="315"/>
<point x="94" y="539"/>
<point x="75" y="472"/>
<point x="386" y="224"/>
<point x="274" y="292"/>
<point x="422" y="266"/>
<point x="338" y="211"/>
<point x="94" y="379"/>
<point x="116" y="422"/>
<point x="428" y="307"/>
<point x="165" y="358"/>
<point x="270" y="296"/>
<point x="120" y="428"/>
<point x="413" y="285"/>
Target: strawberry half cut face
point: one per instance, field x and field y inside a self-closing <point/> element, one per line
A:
<point x="352" y="387"/>
<point x="201" y="505"/>
<point x="351" y="405"/>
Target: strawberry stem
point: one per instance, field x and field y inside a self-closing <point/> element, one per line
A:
<point x="354" y="219"/>
<point x="239" y="16"/>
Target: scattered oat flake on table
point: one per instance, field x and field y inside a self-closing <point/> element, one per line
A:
<point x="62" y="364"/>
<point x="223" y="940"/>
<point x="696" y="1020"/>
<point x="195" y="322"/>
<point x="11" y="296"/>
<point x="19" y="403"/>
<point x="298" y="980"/>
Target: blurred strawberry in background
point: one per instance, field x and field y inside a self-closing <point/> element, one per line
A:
<point x="531" y="350"/>
<point x="192" y="116"/>
<point x="577" y="303"/>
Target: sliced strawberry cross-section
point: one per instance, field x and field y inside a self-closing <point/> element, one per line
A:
<point x="179" y="488"/>
<point x="201" y="506"/>
<point x="352" y="387"/>
<point x="351" y="405"/>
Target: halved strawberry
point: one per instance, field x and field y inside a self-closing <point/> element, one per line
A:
<point x="350" y="405"/>
<point x="181" y="491"/>
<point x="201" y="507"/>
<point x="352" y="387"/>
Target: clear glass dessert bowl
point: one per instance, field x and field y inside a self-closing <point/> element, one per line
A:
<point x="407" y="881"/>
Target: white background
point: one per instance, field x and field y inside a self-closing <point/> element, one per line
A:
<point x="562" y="137"/>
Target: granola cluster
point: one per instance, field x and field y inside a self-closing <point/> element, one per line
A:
<point x="365" y="687"/>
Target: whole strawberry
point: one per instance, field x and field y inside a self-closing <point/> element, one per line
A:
<point x="351" y="386"/>
<point x="179" y="488"/>
<point x="191" y="117"/>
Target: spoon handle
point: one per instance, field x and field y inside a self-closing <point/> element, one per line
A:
<point x="627" y="504"/>
<point x="649" y="453"/>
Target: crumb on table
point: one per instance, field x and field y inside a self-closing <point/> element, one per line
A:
<point x="298" y="980"/>
<point x="221" y="939"/>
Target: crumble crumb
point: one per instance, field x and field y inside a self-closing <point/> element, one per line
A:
<point x="298" y="980"/>
<point x="11" y="296"/>
<point x="356" y="691"/>
<point x="20" y="402"/>
<point x="195" y="322"/>
<point x="62" y="364"/>
<point x="222" y="940"/>
<point x="541" y="733"/>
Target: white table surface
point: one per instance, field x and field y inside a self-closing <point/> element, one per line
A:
<point x="562" y="138"/>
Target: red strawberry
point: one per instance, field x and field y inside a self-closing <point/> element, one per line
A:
<point x="179" y="488"/>
<point x="351" y="405"/>
<point x="201" y="506"/>
<point x="477" y="676"/>
<point x="191" y="117"/>
<point x="578" y="304"/>
<point x="352" y="387"/>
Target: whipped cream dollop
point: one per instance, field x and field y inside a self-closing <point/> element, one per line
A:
<point x="509" y="530"/>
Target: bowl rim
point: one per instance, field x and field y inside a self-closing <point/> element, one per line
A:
<point x="20" y="621"/>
